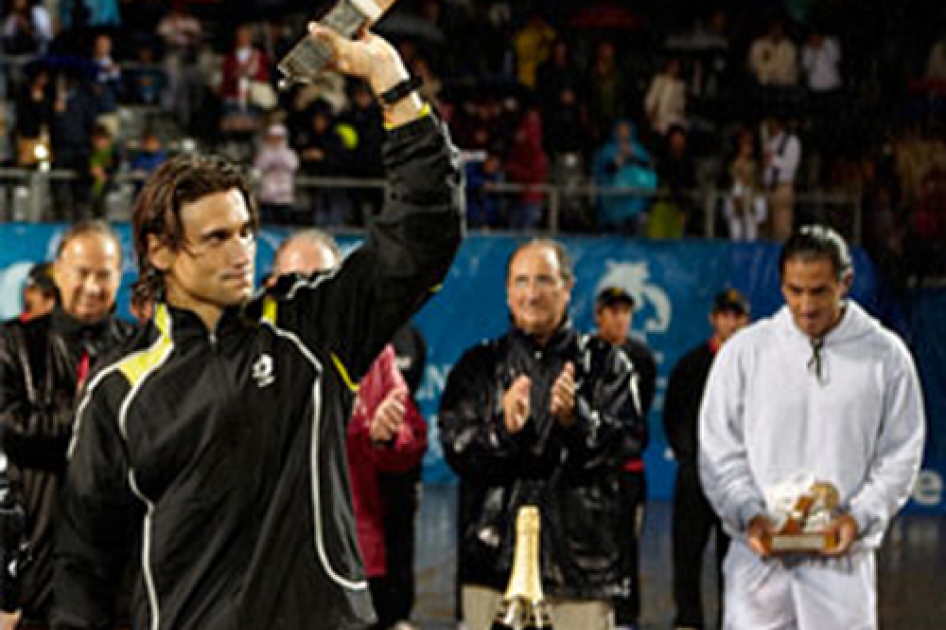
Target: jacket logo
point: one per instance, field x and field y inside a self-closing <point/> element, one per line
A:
<point x="264" y="371"/>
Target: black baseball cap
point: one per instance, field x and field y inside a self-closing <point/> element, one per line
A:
<point x="731" y="300"/>
<point x="40" y="277"/>
<point x="609" y="296"/>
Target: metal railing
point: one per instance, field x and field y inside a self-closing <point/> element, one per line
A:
<point x="26" y="195"/>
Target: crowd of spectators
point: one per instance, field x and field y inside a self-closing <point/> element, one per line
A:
<point x="664" y="101"/>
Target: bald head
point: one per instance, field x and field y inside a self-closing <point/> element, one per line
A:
<point x="306" y="252"/>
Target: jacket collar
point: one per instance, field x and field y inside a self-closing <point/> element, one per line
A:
<point x="71" y="328"/>
<point x="559" y="340"/>
<point x="183" y="324"/>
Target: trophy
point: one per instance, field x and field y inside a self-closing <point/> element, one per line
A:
<point x="308" y="57"/>
<point x="803" y="513"/>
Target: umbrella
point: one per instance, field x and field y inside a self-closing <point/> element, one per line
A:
<point x="605" y="16"/>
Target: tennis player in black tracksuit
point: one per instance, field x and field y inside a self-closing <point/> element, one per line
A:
<point x="219" y="452"/>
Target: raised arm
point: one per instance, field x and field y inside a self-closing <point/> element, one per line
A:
<point x="352" y="312"/>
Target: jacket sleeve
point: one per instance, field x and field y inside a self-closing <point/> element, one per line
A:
<point x="354" y="311"/>
<point x="724" y="464"/>
<point x="679" y="389"/>
<point x="32" y="434"/>
<point x="97" y="523"/>
<point x="609" y="428"/>
<point x="472" y="429"/>
<point x="899" y="450"/>
<point x="407" y="449"/>
<point x="646" y="368"/>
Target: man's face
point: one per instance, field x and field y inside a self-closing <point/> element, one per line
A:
<point x="727" y="322"/>
<point x="305" y="256"/>
<point x="614" y="321"/>
<point x="813" y="293"/>
<point x="214" y="266"/>
<point x="536" y="292"/>
<point x="88" y="272"/>
<point x="36" y="303"/>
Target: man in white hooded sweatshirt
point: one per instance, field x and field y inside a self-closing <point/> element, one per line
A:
<point x="820" y="388"/>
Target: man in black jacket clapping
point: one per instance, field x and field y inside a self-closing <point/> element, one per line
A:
<point x="543" y="415"/>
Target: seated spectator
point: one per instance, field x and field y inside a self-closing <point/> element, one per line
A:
<point x="773" y="58"/>
<point x="666" y="100"/>
<point x="821" y="63"/>
<point x="27" y="28"/>
<point x="558" y="73"/>
<point x="150" y="155"/>
<point x="323" y="152"/>
<point x="364" y="117"/>
<point x="103" y="163"/>
<point x="71" y="135"/>
<point x="675" y="212"/>
<point x="563" y="124"/>
<point x="106" y="83"/>
<point x="532" y="45"/>
<point x="528" y="165"/>
<point x="608" y="91"/>
<point x="773" y="62"/>
<point x="182" y="34"/>
<point x="146" y="82"/>
<point x="781" y="157"/>
<point x="277" y="164"/>
<point x="34" y="116"/>
<point x="103" y="13"/>
<point x="624" y="163"/>
<point x="245" y="86"/>
<point x="744" y="205"/>
<point x="483" y="202"/>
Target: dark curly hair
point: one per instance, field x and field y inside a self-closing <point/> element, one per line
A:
<point x="179" y="181"/>
<point x="817" y="242"/>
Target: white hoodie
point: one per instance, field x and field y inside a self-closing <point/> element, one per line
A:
<point x="767" y="416"/>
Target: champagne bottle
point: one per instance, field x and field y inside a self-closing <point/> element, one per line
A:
<point x="524" y="606"/>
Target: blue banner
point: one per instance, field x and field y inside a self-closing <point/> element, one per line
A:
<point x="673" y="283"/>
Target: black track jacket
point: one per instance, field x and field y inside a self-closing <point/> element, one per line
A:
<point x="572" y="474"/>
<point x="38" y="362"/>
<point x="223" y="454"/>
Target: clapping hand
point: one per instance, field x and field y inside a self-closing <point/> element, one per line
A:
<point x="562" y="404"/>
<point x="388" y="417"/>
<point x="517" y="404"/>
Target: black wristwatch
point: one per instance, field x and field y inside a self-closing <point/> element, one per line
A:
<point x="400" y="91"/>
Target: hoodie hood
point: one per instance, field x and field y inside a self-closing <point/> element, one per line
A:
<point x="854" y="324"/>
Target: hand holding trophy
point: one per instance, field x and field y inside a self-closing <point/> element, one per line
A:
<point x="805" y="518"/>
<point x="310" y="56"/>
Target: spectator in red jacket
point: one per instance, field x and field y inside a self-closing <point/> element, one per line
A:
<point x="528" y="164"/>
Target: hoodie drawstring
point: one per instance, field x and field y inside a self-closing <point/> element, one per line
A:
<point x="815" y="363"/>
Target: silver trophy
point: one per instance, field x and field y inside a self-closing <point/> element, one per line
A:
<point x="308" y="57"/>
